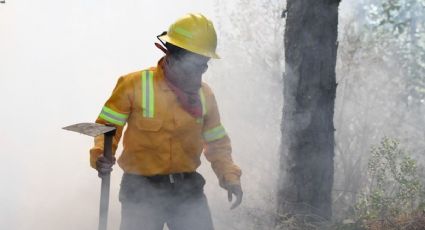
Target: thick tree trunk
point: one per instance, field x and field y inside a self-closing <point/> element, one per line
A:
<point x="307" y="150"/>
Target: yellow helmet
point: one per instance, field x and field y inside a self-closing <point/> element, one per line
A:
<point x="193" y="32"/>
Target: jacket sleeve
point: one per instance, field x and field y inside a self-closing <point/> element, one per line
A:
<point x="115" y="112"/>
<point x="217" y="145"/>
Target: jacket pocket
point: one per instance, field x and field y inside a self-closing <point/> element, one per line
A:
<point x="149" y="129"/>
<point x="149" y="124"/>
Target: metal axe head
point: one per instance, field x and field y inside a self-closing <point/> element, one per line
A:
<point x="91" y="129"/>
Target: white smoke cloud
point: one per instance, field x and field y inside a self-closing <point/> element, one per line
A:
<point x="58" y="64"/>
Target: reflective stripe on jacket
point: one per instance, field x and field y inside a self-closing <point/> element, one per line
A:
<point x="161" y="137"/>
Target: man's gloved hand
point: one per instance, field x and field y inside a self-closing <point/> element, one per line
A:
<point x="234" y="189"/>
<point x="104" y="165"/>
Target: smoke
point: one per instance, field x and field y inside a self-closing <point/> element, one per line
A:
<point x="247" y="82"/>
<point x="371" y="103"/>
<point x="59" y="63"/>
<point x="60" y="60"/>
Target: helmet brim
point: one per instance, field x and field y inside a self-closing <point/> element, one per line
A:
<point x="191" y="49"/>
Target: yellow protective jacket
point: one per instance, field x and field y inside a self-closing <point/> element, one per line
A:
<point x="161" y="137"/>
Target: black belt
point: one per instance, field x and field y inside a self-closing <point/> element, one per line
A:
<point x="170" y="178"/>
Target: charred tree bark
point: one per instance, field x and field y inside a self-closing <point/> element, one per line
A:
<point x="307" y="148"/>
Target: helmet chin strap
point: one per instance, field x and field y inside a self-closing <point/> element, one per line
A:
<point x="162" y="48"/>
<point x="159" y="46"/>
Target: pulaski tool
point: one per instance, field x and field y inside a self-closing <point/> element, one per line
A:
<point x="93" y="129"/>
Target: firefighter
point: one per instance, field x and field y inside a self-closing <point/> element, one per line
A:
<point x="171" y="117"/>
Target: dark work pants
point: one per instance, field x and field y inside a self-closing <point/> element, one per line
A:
<point x="148" y="204"/>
